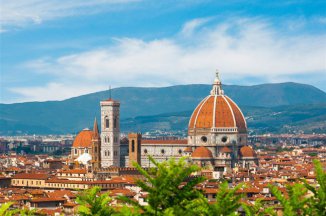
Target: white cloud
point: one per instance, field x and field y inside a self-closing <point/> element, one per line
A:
<point x="238" y="48"/>
<point x="20" y="13"/>
<point x="191" y="26"/>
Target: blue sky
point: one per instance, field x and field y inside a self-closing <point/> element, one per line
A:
<point x="53" y="50"/>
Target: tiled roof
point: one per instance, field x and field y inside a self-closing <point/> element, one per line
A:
<point x="31" y="176"/>
<point x="202" y="152"/>
<point x="83" y="139"/>
<point x="217" y="111"/>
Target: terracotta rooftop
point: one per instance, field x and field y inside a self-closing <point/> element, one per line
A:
<point x="247" y="151"/>
<point x="83" y="139"/>
<point x="202" y="152"/>
<point x="218" y="112"/>
<point x="31" y="176"/>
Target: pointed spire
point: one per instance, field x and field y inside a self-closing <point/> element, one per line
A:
<point x="95" y="129"/>
<point x="217" y="85"/>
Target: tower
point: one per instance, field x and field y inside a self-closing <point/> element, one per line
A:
<point x="134" y="148"/>
<point x="96" y="147"/>
<point x="110" y="133"/>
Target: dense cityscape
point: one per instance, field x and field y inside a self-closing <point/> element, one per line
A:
<point x="47" y="173"/>
<point x="162" y="108"/>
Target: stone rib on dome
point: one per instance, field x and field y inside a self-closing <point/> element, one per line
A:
<point x="202" y="152"/>
<point x="83" y="139"/>
<point x="218" y="111"/>
<point x="224" y="114"/>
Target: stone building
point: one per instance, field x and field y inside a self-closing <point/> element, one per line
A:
<point x="217" y="138"/>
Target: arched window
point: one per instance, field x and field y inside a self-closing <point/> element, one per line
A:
<point x="105" y="153"/>
<point x="133" y="146"/>
<point x="115" y="122"/>
<point x="107" y="122"/>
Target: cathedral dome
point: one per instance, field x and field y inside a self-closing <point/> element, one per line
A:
<point x="218" y="111"/>
<point x="226" y="150"/>
<point x="202" y="152"/>
<point x="83" y="139"/>
<point x="247" y="151"/>
<point x="188" y="149"/>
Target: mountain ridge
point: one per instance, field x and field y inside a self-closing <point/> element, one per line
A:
<point x="74" y="114"/>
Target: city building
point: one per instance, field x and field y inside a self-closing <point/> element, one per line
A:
<point x="217" y="138"/>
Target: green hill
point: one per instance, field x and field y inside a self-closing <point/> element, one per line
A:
<point x="74" y="114"/>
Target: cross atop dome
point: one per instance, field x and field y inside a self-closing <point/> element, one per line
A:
<point x="217" y="77"/>
<point x="217" y="85"/>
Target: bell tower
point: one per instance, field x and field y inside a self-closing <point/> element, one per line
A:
<point x="110" y="133"/>
<point x="96" y="147"/>
<point x="134" y="148"/>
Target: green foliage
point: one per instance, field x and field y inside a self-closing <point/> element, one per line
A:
<point x="304" y="199"/>
<point x="317" y="202"/>
<point x="6" y="211"/>
<point x="93" y="203"/>
<point x="166" y="194"/>
<point x="296" y="201"/>
<point x="227" y="200"/>
<point x="258" y="209"/>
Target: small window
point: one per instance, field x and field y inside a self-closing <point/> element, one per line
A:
<point x="204" y="139"/>
<point x="224" y="139"/>
<point x="180" y="151"/>
<point x="133" y="146"/>
<point x="105" y="153"/>
<point x="75" y="151"/>
<point x="162" y="151"/>
<point x="145" y="151"/>
<point x="107" y="122"/>
<point x="115" y="122"/>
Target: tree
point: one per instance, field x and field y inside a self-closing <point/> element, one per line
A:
<point x="6" y="211"/>
<point x="93" y="203"/>
<point x="227" y="200"/>
<point x="296" y="201"/>
<point x="317" y="202"/>
<point x="164" y="184"/>
<point x="299" y="201"/>
<point x="258" y="209"/>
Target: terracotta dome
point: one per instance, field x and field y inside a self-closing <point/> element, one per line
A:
<point x="226" y="150"/>
<point x="247" y="151"/>
<point x="83" y="139"/>
<point x="217" y="111"/>
<point x="188" y="149"/>
<point x="202" y="152"/>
